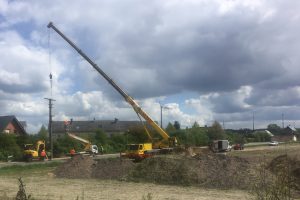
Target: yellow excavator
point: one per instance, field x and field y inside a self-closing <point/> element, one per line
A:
<point x="134" y="151"/>
<point x="35" y="152"/>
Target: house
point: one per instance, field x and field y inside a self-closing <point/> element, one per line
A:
<point x="11" y="125"/>
<point x="289" y="134"/>
<point x="90" y="127"/>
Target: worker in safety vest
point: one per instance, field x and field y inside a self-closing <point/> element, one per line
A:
<point x="43" y="155"/>
<point x="72" y="152"/>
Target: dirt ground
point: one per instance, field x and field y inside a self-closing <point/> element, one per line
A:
<point x="50" y="188"/>
<point x="104" y="179"/>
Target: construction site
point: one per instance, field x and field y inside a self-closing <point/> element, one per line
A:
<point x="198" y="175"/>
<point x="159" y="165"/>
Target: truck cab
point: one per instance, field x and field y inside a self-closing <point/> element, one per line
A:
<point x="139" y="151"/>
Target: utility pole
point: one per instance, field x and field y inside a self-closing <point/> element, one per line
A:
<point x="161" y="107"/>
<point x="253" y="121"/>
<point x="50" y="126"/>
<point x="282" y="118"/>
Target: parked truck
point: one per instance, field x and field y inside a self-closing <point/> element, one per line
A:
<point x="220" y="146"/>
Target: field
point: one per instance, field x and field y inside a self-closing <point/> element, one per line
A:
<point x="41" y="183"/>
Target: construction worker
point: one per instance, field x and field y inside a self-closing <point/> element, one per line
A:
<point x="72" y="152"/>
<point x="43" y="155"/>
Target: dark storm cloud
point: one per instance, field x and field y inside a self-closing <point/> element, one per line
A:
<point x="162" y="48"/>
<point x="22" y="88"/>
<point x="273" y="97"/>
<point x="221" y="53"/>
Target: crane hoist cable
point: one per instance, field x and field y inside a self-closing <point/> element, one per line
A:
<point x="50" y="64"/>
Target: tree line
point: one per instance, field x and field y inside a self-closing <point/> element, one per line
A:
<point x="11" y="145"/>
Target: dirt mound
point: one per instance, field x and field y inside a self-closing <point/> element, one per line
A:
<point x="217" y="171"/>
<point x="78" y="167"/>
<point x="212" y="170"/>
<point x="85" y="167"/>
<point x="288" y="165"/>
<point x="112" y="168"/>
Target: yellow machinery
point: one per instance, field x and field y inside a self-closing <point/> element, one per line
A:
<point x="139" y="151"/>
<point x="88" y="146"/>
<point x="35" y="152"/>
<point x="165" y="144"/>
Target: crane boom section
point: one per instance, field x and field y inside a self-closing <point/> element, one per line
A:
<point x="79" y="138"/>
<point x="129" y="99"/>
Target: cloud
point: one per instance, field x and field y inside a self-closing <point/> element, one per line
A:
<point x="237" y="57"/>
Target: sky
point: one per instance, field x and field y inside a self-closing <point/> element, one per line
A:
<point x="229" y="61"/>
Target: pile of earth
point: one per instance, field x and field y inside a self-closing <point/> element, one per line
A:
<point x="86" y="167"/>
<point x="287" y="166"/>
<point x="211" y="170"/>
<point x="77" y="167"/>
<point x="215" y="171"/>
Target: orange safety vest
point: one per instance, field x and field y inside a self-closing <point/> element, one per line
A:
<point x="72" y="151"/>
<point x="43" y="154"/>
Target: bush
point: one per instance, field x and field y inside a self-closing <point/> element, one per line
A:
<point x="9" y="147"/>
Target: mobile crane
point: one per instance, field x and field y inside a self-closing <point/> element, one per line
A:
<point x="88" y="146"/>
<point x="135" y="151"/>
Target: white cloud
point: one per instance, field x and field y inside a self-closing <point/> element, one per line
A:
<point x="228" y="52"/>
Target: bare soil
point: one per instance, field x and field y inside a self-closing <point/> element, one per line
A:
<point x="200" y="176"/>
<point x="209" y="170"/>
<point x="50" y="188"/>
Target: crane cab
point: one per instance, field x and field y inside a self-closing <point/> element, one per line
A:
<point x="139" y="151"/>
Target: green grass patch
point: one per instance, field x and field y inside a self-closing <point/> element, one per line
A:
<point x="28" y="169"/>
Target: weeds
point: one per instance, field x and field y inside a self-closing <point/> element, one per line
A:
<point x="21" y="195"/>
<point x="278" y="185"/>
<point x="27" y="169"/>
<point x="147" y="197"/>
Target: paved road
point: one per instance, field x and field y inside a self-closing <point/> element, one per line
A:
<point x="63" y="159"/>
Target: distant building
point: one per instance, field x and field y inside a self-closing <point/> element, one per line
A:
<point x="11" y="125"/>
<point x="90" y="127"/>
<point x="289" y="134"/>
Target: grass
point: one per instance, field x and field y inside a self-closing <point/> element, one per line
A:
<point x="28" y="169"/>
<point x="268" y="151"/>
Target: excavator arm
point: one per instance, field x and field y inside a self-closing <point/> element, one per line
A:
<point x="166" y="138"/>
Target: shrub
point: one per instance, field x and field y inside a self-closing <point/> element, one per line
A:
<point x="9" y="147"/>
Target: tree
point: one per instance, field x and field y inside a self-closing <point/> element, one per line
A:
<point x="9" y="147"/>
<point x="195" y="125"/>
<point x="101" y="137"/>
<point x="170" y="128"/>
<point x="177" y="125"/>
<point x="197" y="136"/>
<point x="274" y="129"/>
<point x="262" y="136"/>
<point x="43" y="133"/>
<point x="216" y="132"/>
<point x="137" y="135"/>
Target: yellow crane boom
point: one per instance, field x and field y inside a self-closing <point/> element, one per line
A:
<point x="171" y="141"/>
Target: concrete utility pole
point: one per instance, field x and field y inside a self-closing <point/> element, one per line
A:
<point x="282" y="116"/>
<point x="50" y="127"/>
<point x="161" y="108"/>
<point x="253" y="121"/>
